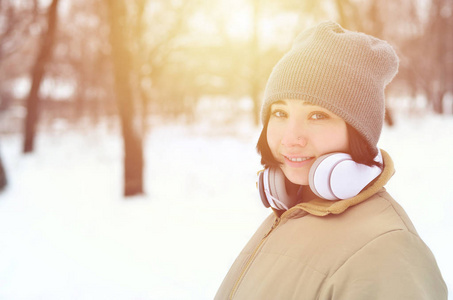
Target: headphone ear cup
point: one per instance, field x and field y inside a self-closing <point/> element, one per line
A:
<point x="261" y="188"/>
<point x="349" y="178"/>
<point x="277" y="188"/>
<point x="272" y="188"/>
<point x="320" y="173"/>
<point x="336" y="176"/>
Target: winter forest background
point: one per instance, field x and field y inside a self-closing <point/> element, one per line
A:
<point x="127" y="135"/>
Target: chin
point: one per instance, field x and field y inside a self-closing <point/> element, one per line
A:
<point x="300" y="179"/>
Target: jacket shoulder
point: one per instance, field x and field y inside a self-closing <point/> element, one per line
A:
<point x="386" y="259"/>
<point x="396" y="209"/>
<point x="394" y="265"/>
<point x="376" y="216"/>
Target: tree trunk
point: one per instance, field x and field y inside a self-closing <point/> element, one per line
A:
<point x="3" y="180"/>
<point x="436" y="99"/>
<point x="44" y="54"/>
<point x="122" y="64"/>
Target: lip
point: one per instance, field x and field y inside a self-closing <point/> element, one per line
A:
<point x="297" y="164"/>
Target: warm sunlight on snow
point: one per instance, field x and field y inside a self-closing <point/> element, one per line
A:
<point x="67" y="234"/>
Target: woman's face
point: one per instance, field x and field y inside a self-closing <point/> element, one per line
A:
<point x="299" y="132"/>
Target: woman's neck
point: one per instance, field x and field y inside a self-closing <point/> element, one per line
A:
<point x="307" y="194"/>
<point x="294" y="190"/>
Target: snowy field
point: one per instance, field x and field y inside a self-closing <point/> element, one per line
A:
<point x="66" y="232"/>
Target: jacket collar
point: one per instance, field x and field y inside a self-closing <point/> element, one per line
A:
<point x="321" y="207"/>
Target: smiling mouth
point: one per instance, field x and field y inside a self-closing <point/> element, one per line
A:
<point x="298" y="159"/>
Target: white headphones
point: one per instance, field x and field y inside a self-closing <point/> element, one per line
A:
<point x="333" y="176"/>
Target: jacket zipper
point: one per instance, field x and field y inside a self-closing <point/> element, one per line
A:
<point x="252" y="257"/>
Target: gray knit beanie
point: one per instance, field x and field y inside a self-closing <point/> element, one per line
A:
<point x="343" y="71"/>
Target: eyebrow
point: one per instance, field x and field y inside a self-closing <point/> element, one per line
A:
<point x="282" y="102"/>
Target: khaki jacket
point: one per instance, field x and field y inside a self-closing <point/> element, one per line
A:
<point x="349" y="249"/>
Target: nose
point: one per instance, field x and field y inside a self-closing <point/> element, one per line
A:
<point x="294" y="135"/>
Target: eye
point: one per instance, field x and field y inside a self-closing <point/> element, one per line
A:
<point x="279" y="113"/>
<point x="318" y="116"/>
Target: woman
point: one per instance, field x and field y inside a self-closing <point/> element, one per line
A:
<point x="324" y="102"/>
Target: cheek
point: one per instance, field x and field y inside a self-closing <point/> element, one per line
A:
<point x="343" y="139"/>
<point x="273" y="138"/>
<point x="336" y="140"/>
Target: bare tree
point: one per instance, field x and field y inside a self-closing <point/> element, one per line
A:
<point x="43" y="57"/>
<point x="82" y="57"/>
<point x="126" y="100"/>
<point x="440" y="51"/>
<point x="3" y="180"/>
<point x="16" y="21"/>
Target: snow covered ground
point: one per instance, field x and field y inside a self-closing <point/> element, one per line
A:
<point x="66" y="232"/>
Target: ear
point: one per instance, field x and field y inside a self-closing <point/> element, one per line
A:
<point x="336" y="176"/>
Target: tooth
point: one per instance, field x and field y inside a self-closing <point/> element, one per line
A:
<point x="298" y="159"/>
